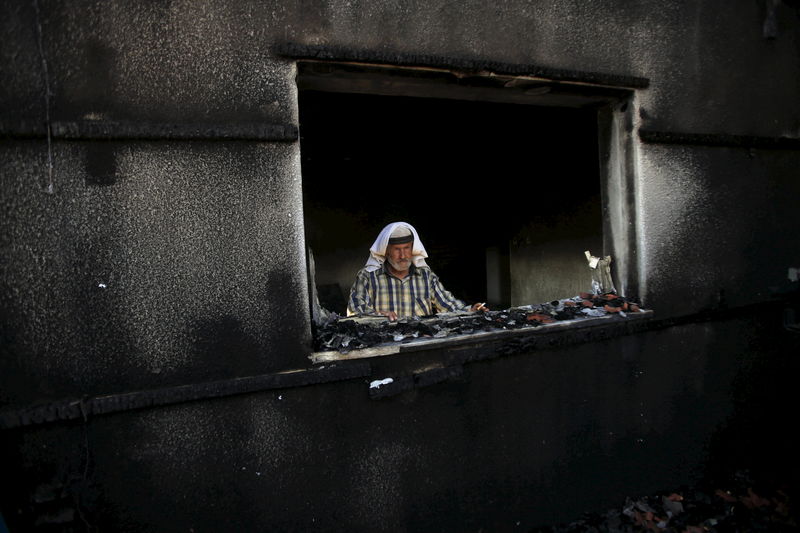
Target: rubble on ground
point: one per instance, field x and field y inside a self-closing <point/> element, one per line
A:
<point x="737" y="505"/>
<point x="345" y="334"/>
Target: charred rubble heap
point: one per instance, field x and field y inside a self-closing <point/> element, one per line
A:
<point x="736" y="505"/>
<point x="345" y="334"/>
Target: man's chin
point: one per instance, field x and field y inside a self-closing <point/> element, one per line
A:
<point x="400" y="267"/>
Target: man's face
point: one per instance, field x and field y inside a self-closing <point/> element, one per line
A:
<point x="399" y="256"/>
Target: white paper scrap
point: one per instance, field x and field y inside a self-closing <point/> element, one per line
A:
<point x="379" y="382"/>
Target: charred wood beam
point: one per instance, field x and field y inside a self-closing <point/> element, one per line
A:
<point x="293" y="50"/>
<point x="719" y="139"/>
<point x="74" y="408"/>
<point x="106" y="130"/>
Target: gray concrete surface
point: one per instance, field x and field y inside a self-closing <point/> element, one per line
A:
<point x="129" y="265"/>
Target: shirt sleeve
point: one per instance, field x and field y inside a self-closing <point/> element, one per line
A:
<point x="442" y="299"/>
<point x="360" y="301"/>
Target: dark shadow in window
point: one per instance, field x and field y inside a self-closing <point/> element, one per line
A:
<point x="506" y="197"/>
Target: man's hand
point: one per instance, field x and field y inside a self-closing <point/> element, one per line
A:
<point x="479" y="307"/>
<point x="391" y="315"/>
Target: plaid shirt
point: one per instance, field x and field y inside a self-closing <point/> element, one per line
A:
<point x="420" y="293"/>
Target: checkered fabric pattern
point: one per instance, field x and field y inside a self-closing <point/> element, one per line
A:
<point x="420" y="293"/>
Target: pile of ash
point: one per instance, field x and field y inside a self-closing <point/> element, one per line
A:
<point x="736" y="505"/>
<point x="345" y="334"/>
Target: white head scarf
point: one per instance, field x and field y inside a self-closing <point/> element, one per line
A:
<point x="377" y="253"/>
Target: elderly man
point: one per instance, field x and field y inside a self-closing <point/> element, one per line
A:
<point x="396" y="282"/>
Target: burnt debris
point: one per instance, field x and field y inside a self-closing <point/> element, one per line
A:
<point x="346" y="334"/>
<point x="734" y="505"/>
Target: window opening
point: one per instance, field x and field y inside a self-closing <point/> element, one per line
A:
<point x="506" y="195"/>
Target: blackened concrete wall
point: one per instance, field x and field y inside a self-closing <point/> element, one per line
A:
<point x="149" y="262"/>
<point x="140" y="263"/>
<point x="718" y="224"/>
<point x="171" y="270"/>
<point x="513" y="443"/>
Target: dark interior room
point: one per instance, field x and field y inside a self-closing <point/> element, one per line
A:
<point x="489" y="187"/>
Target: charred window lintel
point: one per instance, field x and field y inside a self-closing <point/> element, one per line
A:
<point x="350" y="55"/>
<point x="432" y="82"/>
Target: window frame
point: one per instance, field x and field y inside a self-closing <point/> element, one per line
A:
<point x="614" y="106"/>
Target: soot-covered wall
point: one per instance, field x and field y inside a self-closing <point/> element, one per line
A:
<point x="172" y="271"/>
<point x="510" y="444"/>
<point x="212" y="62"/>
<point x="130" y="263"/>
<point x="155" y="237"/>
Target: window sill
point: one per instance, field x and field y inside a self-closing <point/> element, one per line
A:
<point x="587" y="328"/>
